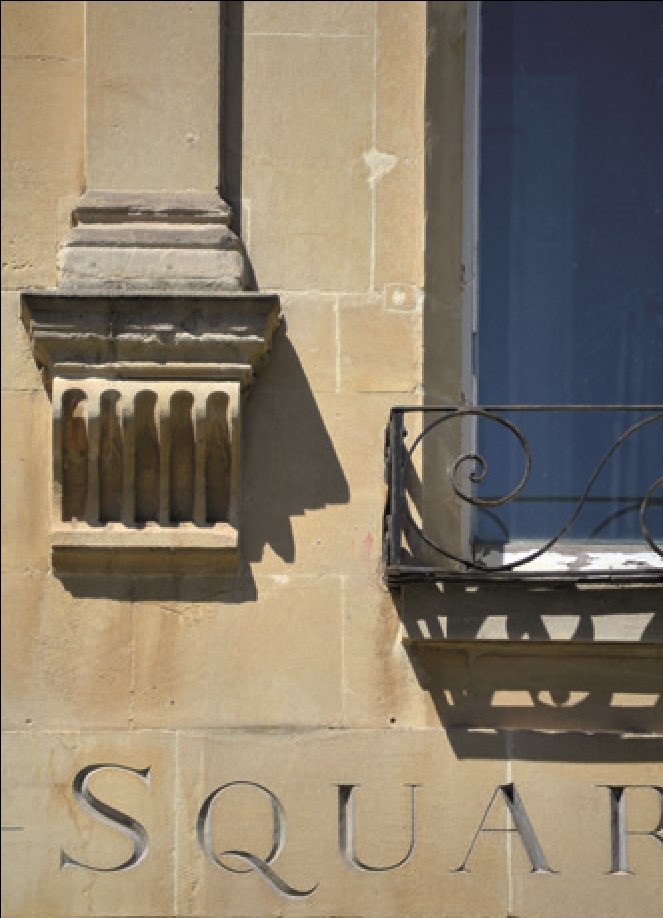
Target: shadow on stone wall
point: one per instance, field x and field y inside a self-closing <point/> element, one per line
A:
<point x="231" y="122"/>
<point x="555" y="746"/>
<point x="512" y="657"/>
<point x="289" y="466"/>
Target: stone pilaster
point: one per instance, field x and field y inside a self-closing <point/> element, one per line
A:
<point x="149" y="338"/>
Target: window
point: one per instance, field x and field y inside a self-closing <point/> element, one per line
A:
<point x="569" y="231"/>
<point x="564" y="293"/>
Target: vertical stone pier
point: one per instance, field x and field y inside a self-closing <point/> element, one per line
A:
<point x="149" y="337"/>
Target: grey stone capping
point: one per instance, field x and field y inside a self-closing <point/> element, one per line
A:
<point x="151" y="241"/>
<point x="145" y="207"/>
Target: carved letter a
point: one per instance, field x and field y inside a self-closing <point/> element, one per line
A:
<point x="523" y="827"/>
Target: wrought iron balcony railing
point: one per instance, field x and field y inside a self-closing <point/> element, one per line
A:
<point x="524" y="492"/>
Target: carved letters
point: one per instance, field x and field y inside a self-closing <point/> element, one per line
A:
<point x="262" y="864"/>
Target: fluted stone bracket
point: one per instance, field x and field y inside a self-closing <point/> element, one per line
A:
<point x="146" y="394"/>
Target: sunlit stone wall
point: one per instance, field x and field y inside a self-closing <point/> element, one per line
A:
<point x="294" y="738"/>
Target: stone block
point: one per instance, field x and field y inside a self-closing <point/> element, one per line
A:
<point x="42" y="162"/>
<point x="400" y="82"/>
<point x="562" y="779"/>
<point x="43" y="30"/>
<point x="310" y="17"/>
<point x="18" y="366"/>
<point x="275" y="541"/>
<point x="45" y="820"/>
<point x="219" y="663"/>
<point x="303" y="357"/>
<point x="303" y="160"/>
<point x="401" y="78"/>
<point x="321" y="240"/>
<point x="303" y="772"/>
<point x="379" y="351"/>
<point x="136" y="105"/>
<point x="380" y="685"/>
<point x="66" y="651"/>
<point x="299" y="71"/>
<point x="313" y="490"/>
<point x="356" y="423"/>
<point x="400" y="232"/>
<point x="26" y="500"/>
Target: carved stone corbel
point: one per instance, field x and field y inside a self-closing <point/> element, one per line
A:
<point x="147" y="345"/>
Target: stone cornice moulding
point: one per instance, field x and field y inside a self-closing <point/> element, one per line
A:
<point x="150" y="335"/>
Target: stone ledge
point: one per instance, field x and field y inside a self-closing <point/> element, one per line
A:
<point x="230" y="331"/>
<point x="98" y="206"/>
<point x="151" y="549"/>
<point x="76" y="559"/>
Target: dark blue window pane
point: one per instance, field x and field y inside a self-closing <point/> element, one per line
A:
<point x="571" y="245"/>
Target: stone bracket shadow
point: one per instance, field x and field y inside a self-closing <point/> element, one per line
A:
<point x="512" y="657"/>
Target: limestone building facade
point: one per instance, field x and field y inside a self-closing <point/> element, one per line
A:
<point x="249" y="667"/>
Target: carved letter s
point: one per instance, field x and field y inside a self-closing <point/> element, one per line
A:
<point x="101" y="811"/>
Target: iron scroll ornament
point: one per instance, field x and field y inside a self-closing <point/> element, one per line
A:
<point x="481" y="472"/>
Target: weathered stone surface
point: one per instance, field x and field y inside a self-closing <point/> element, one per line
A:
<point x="18" y="367"/>
<point x="91" y="330"/>
<point x="66" y="659"/>
<point x="222" y="662"/>
<point x="306" y="357"/>
<point x="304" y="162"/>
<point x="118" y="208"/>
<point x="562" y="779"/>
<point x="320" y="502"/>
<point x="304" y="771"/>
<point x="311" y="17"/>
<point x="25" y="480"/>
<point x="42" y="134"/>
<point x="380" y="351"/>
<point x="152" y="96"/>
<point x="47" y="31"/>
<point x="380" y="682"/>
<point x="47" y="820"/>
<point x="321" y="241"/>
<point x="151" y="241"/>
<point x="160" y="266"/>
<point x="400" y="82"/>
